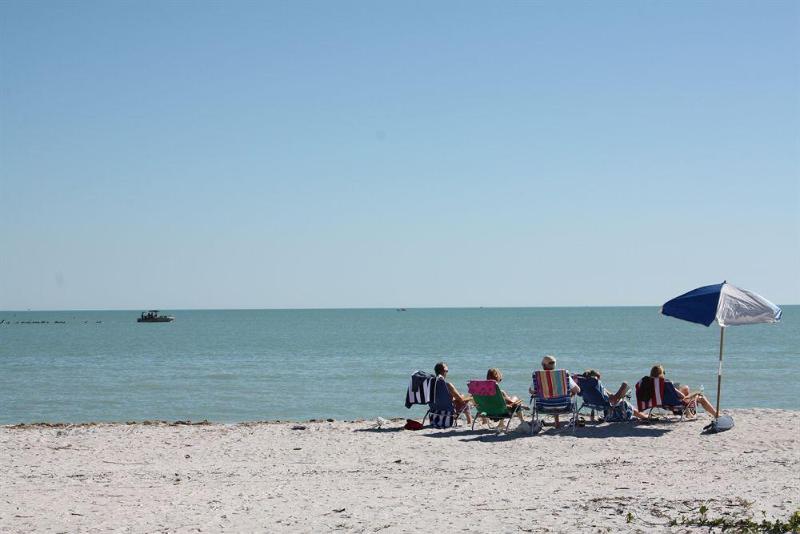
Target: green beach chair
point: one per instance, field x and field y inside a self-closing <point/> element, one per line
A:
<point x="489" y="400"/>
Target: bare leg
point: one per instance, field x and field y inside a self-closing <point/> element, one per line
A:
<point x="616" y="397"/>
<point x="463" y="406"/>
<point x="707" y="406"/>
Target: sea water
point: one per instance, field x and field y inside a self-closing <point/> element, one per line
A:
<point x="247" y="365"/>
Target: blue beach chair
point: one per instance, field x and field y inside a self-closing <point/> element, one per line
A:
<point x="442" y="412"/>
<point x="552" y="398"/>
<point x="593" y="397"/>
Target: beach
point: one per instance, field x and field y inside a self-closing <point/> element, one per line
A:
<point x="363" y="476"/>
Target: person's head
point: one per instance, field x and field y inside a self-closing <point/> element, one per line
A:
<point x="494" y="374"/>
<point x="440" y="368"/>
<point x="657" y="371"/>
<point x="592" y="373"/>
<point x="549" y="363"/>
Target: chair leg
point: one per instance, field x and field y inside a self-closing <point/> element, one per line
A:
<point x="511" y="416"/>
<point x="574" y="423"/>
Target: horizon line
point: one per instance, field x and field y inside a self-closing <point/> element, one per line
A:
<point x="397" y="308"/>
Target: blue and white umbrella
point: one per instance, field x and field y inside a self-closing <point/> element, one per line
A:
<point x="725" y="304"/>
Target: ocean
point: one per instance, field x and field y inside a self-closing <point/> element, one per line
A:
<point x="254" y="365"/>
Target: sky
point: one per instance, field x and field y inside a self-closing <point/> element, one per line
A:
<point x="396" y="154"/>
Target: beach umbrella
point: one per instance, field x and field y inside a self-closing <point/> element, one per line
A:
<point x="727" y="305"/>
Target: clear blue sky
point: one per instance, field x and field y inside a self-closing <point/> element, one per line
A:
<point x="377" y="154"/>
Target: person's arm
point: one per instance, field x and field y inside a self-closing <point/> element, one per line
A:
<point x="574" y="388"/>
<point x="454" y="393"/>
<point x="510" y="401"/>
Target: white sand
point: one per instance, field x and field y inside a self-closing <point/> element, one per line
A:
<point x="349" y="476"/>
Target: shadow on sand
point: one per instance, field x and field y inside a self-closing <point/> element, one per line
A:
<point x="459" y="432"/>
<point x="621" y="430"/>
<point x="590" y="431"/>
<point x="382" y="430"/>
<point x="597" y="431"/>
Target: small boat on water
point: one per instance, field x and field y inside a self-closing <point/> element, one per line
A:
<point x="152" y="316"/>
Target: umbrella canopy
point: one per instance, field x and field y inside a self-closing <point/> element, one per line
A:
<point x="724" y="303"/>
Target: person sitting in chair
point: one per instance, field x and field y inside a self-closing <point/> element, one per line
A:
<point x="512" y="403"/>
<point x="616" y="398"/>
<point x="684" y="393"/>
<point x="549" y="364"/>
<point x="460" y="402"/>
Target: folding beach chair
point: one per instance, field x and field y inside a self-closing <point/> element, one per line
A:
<point x="552" y="398"/>
<point x="442" y="412"/>
<point x="490" y="402"/>
<point x="663" y="396"/>
<point x="593" y="397"/>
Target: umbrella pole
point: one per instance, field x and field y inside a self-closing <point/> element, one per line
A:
<point x="719" y="370"/>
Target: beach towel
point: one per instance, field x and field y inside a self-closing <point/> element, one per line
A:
<point x="650" y="393"/>
<point x="442" y="413"/>
<point x="420" y="389"/>
<point x="442" y="419"/>
<point x="551" y="384"/>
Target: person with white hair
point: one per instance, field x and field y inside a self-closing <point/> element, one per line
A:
<point x="549" y="364"/>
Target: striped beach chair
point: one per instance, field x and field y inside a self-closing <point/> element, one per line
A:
<point x="489" y="400"/>
<point x="660" y="394"/>
<point x="552" y="397"/>
<point x="441" y="411"/>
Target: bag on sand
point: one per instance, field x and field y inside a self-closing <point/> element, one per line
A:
<point x="720" y="424"/>
<point x="619" y="413"/>
<point x="411" y="424"/>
